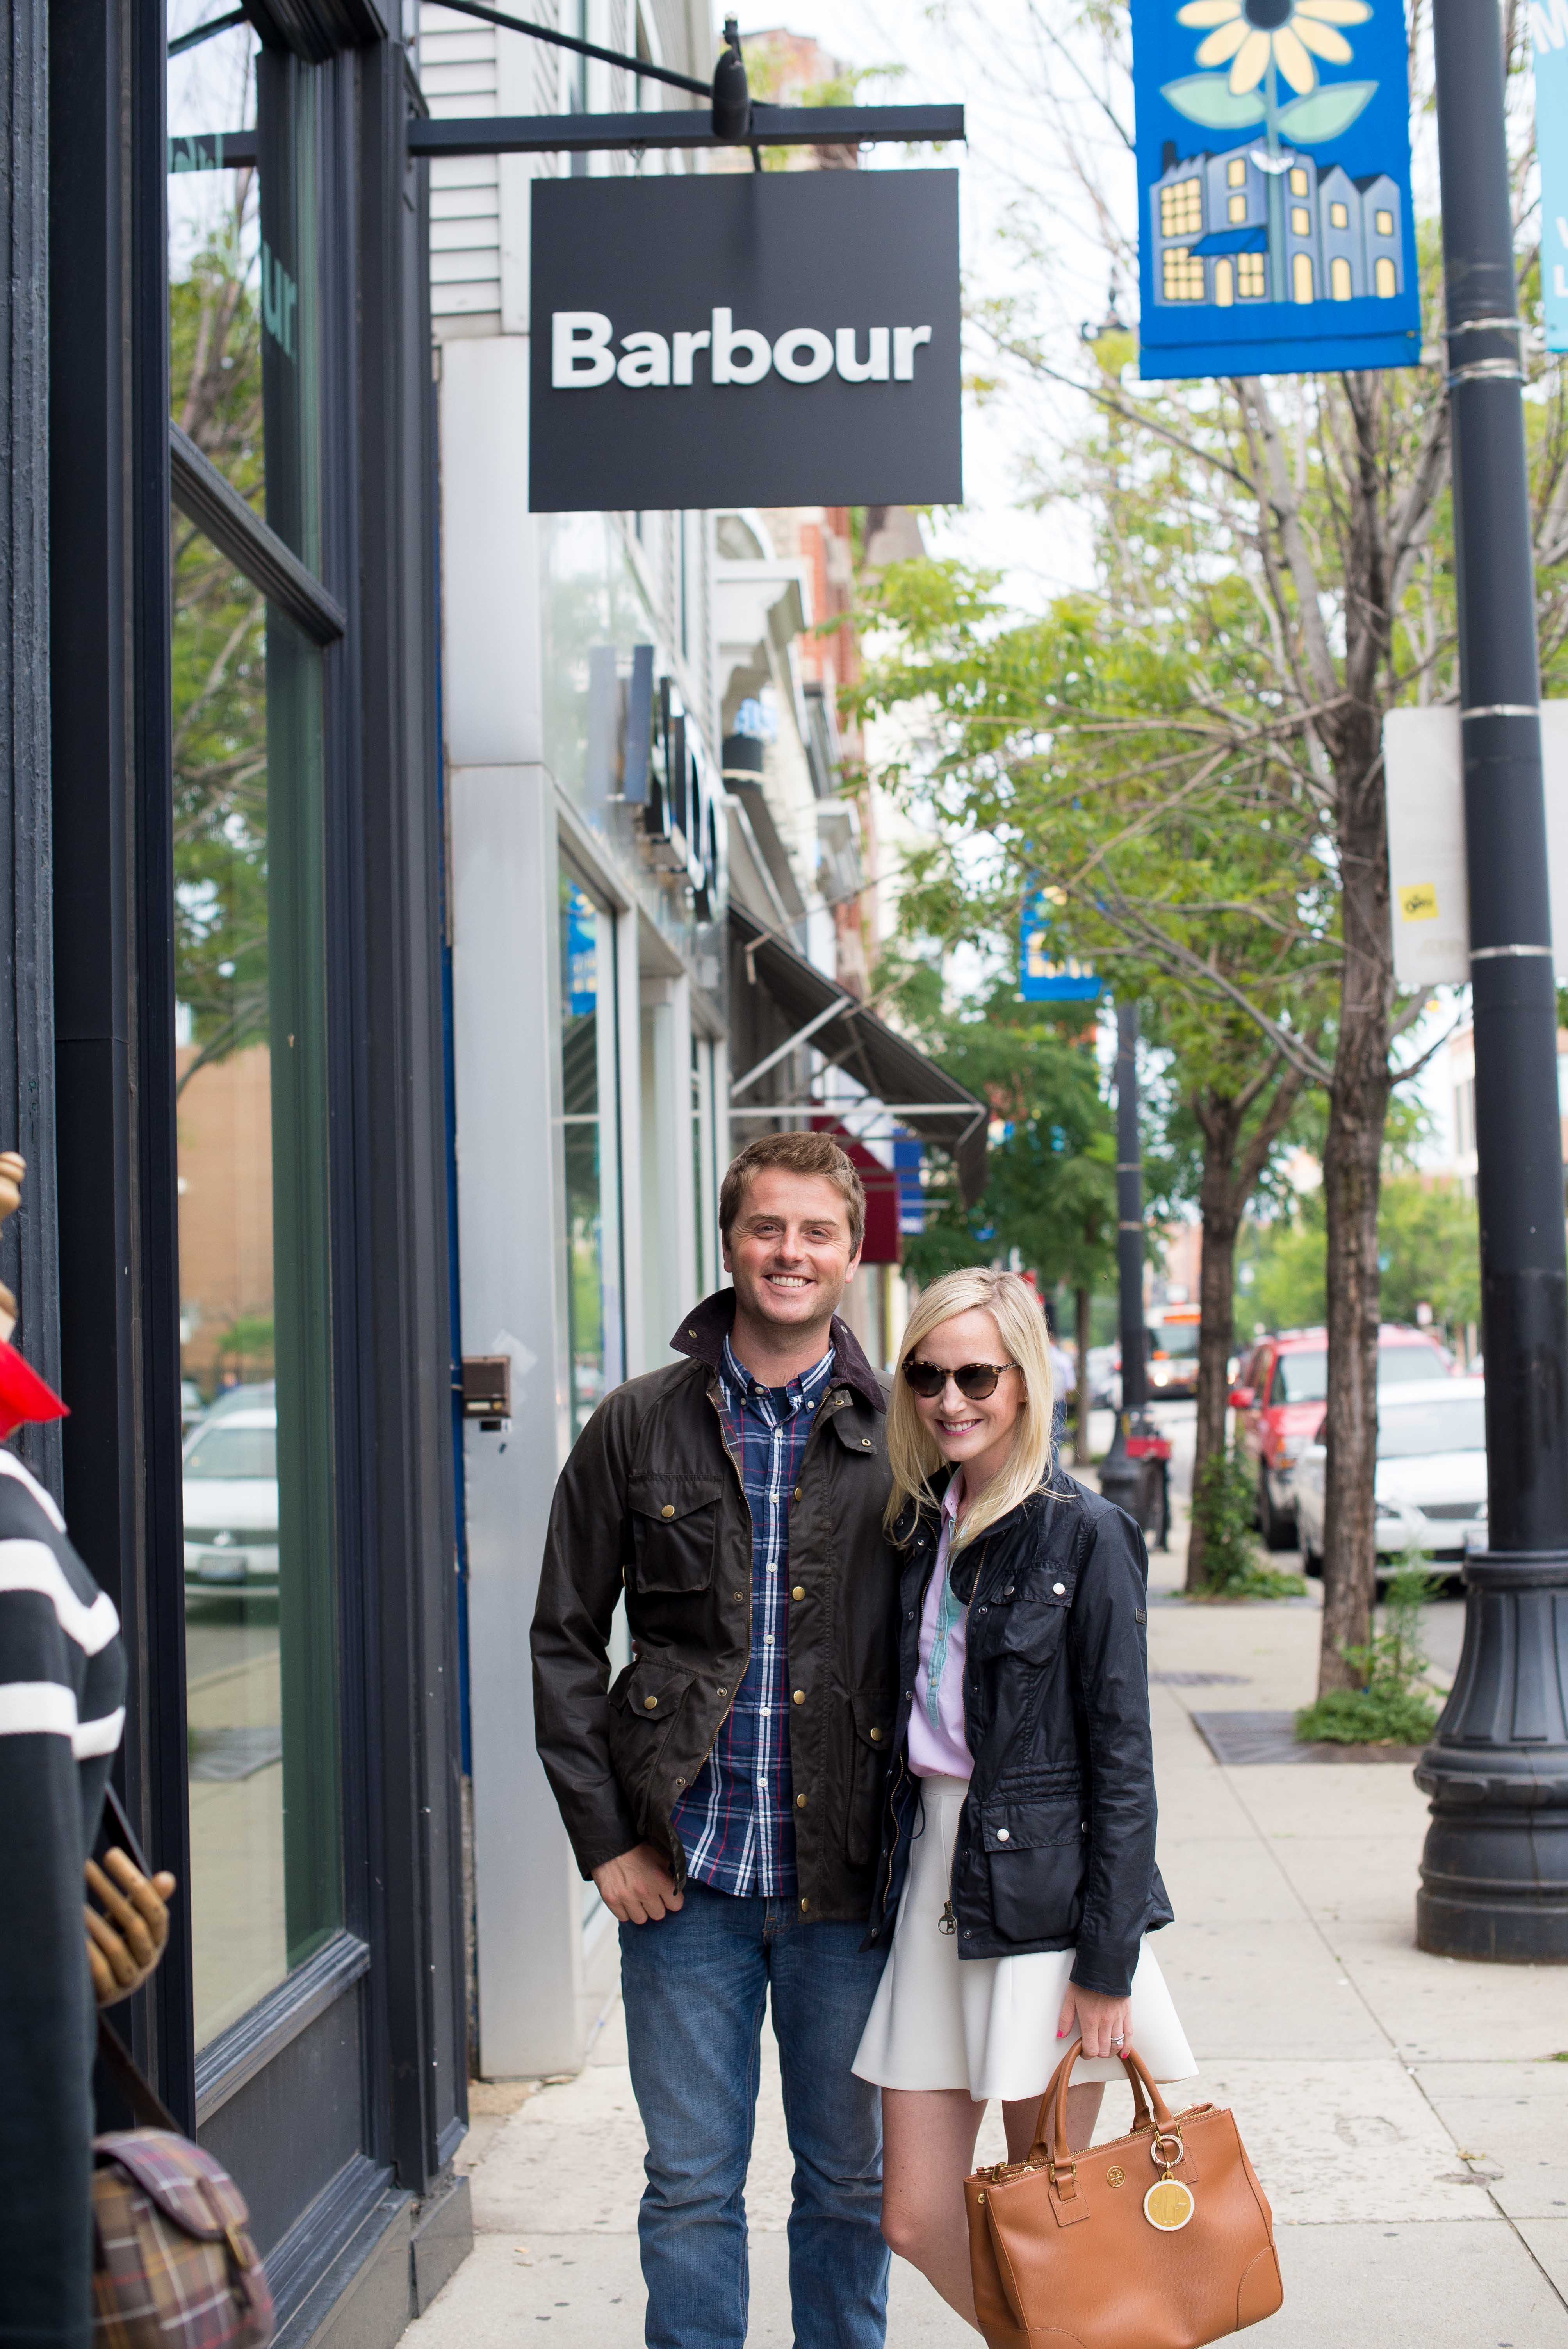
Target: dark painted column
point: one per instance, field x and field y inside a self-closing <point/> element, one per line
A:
<point x="29" y="1243"/>
<point x="1494" y="1873"/>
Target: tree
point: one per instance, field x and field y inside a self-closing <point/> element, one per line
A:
<point x="1049" y="744"/>
<point x="1310" y="520"/>
<point x="1051" y="1188"/>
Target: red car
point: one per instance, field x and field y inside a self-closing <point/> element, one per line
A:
<point x="1279" y="1395"/>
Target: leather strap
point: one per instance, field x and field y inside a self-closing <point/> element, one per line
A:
<point x="139" y="2092"/>
<point x="1150" y="2109"/>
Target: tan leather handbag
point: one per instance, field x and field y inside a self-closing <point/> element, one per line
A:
<point x="1160" y="2240"/>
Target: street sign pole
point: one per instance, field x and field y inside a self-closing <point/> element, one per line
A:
<point x="1121" y="1476"/>
<point x="1494" y="1872"/>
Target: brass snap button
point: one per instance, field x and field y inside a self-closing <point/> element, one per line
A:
<point x="669" y="1509"/>
<point x="798" y="1591"/>
<point x="649" y="1703"/>
<point x="724" y="1691"/>
<point x="876" y="1737"/>
<point x="805" y="1904"/>
<point x="797" y="1492"/>
<point x="799" y="1801"/>
<point x="800" y="1696"/>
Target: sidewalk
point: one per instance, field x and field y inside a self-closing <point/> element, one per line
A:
<point x="1401" y="2110"/>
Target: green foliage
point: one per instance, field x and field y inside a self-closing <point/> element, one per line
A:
<point x="219" y="670"/>
<point x="1428" y="1248"/>
<point x="1050" y="1191"/>
<point x="1390" y="1706"/>
<point x="1233" y="1566"/>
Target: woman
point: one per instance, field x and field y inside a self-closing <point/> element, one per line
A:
<point x="1018" y="1850"/>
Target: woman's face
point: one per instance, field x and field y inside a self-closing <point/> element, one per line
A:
<point x="976" y="1436"/>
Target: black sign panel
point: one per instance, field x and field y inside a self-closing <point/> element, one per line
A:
<point x="773" y="339"/>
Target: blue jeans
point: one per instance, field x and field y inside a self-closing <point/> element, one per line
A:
<point x="695" y="1984"/>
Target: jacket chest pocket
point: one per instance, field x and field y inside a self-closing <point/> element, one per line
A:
<point x="1023" y="1619"/>
<point x="674" y="1532"/>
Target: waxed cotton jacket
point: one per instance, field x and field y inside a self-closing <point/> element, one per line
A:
<point x="651" y="1500"/>
<point x="1056" y="1840"/>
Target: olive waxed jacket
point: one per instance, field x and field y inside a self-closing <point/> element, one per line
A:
<point x="652" y="1499"/>
<point x="1056" y="1839"/>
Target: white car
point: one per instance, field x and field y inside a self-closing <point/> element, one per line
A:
<point x="231" y="1500"/>
<point x="1430" y="1482"/>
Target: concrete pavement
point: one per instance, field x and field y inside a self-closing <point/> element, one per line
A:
<point x="1407" y="2114"/>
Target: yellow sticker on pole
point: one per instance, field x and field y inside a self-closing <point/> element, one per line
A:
<point x="1419" y="903"/>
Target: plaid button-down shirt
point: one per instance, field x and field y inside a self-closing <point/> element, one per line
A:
<point x="737" y="1818"/>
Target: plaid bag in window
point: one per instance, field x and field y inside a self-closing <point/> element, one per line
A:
<point x="173" y="2264"/>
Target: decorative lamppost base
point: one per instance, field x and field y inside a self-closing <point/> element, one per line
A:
<point x="1121" y="1474"/>
<point x="1494" y="1872"/>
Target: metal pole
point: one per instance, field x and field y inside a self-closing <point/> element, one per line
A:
<point x="1121" y="1476"/>
<point x="1494" y="1873"/>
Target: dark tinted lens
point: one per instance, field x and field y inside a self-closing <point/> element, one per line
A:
<point x="976" y="1381"/>
<point x="925" y="1376"/>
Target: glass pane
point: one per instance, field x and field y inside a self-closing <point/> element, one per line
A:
<point x="261" y="1600"/>
<point x="587" y="1016"/>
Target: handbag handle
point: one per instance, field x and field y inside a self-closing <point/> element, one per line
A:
<point x="1150" y="2108"/>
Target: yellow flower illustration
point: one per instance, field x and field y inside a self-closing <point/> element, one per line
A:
<point x="1248" y="33"/>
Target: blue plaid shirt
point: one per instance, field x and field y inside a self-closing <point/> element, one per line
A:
<point x="737" y="1818"/>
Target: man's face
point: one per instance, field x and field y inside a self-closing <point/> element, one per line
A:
<point x="789" y="1251"/>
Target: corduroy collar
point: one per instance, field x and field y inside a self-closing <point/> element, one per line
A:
<point x="703" y="1331"/>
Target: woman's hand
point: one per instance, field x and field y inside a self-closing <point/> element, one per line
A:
<point x="1105" y="2024"/>
<point x="127" y="1932"/>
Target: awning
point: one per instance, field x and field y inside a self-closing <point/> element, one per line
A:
<point x="912" y="1089"/>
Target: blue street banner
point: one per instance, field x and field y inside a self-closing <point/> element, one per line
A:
<point x="1549" y="39"/>
<point x="1042" y="979"/>
<point x="1274" y="174"/>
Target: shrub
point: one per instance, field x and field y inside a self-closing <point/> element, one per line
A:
<point x="1392" y="1706"/>
<point x="1233" y="1563"/>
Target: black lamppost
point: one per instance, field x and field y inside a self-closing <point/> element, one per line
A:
<point x="1494" y="1873"/>
<point x="1122" y="1475"/>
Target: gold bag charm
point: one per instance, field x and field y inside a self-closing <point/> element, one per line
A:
<point x="1168" y="2204"/>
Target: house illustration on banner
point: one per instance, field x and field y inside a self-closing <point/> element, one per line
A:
<point x="1344" y="237"/>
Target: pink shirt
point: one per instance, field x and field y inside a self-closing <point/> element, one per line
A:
<point x="941" y="1750"/>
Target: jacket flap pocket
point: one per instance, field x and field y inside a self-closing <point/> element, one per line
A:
<point x="654" y="1690"/>
<point x="1022" y="1826"/>
<point x="874" y="1720"/>
<point x="667" y="1499"/>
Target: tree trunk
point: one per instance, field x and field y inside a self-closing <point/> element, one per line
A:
<point x="1352" y="1172"/>
<point x="1222" y="1213"/>
<point x="1081" y="1302"/>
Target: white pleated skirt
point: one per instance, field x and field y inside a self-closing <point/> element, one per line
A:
<point x="988" y="2024"/>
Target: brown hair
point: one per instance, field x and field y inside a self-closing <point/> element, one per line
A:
<point x="797" y="1153"/>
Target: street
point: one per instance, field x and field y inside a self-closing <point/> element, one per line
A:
<point x="1407" y="2114"/>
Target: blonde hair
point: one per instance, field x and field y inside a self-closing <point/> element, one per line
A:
<point x="912" y="1453"/>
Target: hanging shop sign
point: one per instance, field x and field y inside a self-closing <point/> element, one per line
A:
<point x="770" y="338"/>
<point x="1273" y="173"/>
<point x="1549" y="40"/>
<point x="1044" y="976"/>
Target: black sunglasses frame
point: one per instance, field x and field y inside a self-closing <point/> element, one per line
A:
<point x="968" y="1380"/>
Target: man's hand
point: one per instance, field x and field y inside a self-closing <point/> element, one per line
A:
<point x="637" y="1888"/>
<point x="1105" y="2024"/>
<point x="128" y="1932"/>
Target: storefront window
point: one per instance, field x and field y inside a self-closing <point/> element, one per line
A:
<point x="589" y="1090"/>
<point x="251" y="1034"/>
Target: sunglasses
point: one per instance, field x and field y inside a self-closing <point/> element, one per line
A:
<point x="974" y="1381"/>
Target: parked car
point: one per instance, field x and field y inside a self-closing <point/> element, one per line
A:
<point x="231" y="1498"/>
<point x="1279" y="1397"/>
<point x="1431" y="1474"/>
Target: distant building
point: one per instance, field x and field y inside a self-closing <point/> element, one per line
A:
<point x="1209" y="220"/>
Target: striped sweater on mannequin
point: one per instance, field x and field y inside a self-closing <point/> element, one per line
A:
<point x="62" y="1687"/>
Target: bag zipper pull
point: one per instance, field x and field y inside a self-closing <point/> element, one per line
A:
<point x="947" y="1922"/>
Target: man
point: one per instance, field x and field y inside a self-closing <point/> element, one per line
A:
<point x="724" y="1795"/>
